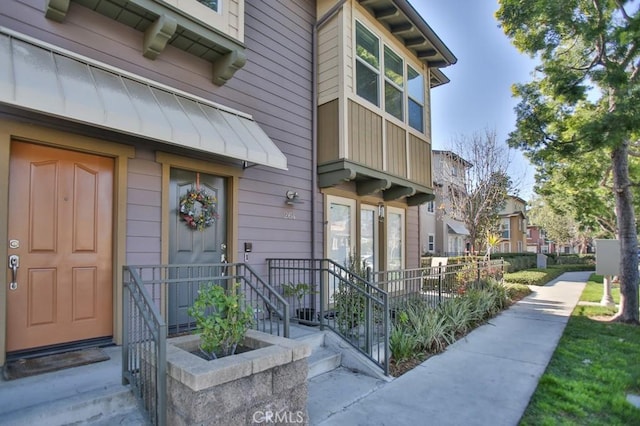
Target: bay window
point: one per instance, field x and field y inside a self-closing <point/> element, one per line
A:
<point x="404" y="88"/>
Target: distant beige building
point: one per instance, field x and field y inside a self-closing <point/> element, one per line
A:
<point x="513" y="226"/>
<point x="441" y="231"/>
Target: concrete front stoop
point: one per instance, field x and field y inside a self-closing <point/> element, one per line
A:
<point x="322" y="359"/>
<point x="109" y="405"/>
<point x="338" y="375"/>
<point x="89" y="394"/>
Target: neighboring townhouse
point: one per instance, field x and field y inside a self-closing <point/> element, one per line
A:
<point x="442" y="231"/>
<point x="513" y="225"/>
<point x="537" y="241"/>
<point x="302" y="127"/>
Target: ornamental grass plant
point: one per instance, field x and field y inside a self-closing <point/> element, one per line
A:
<point x="420" y="330"/>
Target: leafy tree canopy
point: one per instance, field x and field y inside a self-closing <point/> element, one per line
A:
<point x="583" y="104"/>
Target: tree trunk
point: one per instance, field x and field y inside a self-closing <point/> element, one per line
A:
<point x="628" y="312"/>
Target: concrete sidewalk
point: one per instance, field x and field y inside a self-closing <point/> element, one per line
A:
<point x="487" y="378"/>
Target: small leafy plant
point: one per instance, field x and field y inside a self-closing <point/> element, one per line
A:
<point x="299" y="291"/>
<point x="350" y="299"/>
<point x="222" y="319"/>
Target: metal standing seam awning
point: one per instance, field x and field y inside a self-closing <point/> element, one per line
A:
<point x="38" y="77"/>
<point x="457" y="227"/>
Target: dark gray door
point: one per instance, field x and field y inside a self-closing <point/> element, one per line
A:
<point x="190" y="246"/>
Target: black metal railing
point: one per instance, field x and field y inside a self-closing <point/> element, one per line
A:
<point x="340" y="299"/>
<point x="144" y="361"/>
<point x="156" y="301"/>
<point x="435" y="284"/>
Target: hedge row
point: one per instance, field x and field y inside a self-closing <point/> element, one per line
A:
<point x="543" y="276"/>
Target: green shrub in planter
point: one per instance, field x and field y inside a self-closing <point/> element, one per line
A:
<point x="222" y="319"/>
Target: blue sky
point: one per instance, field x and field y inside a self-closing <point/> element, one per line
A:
<point x="479" y="94"/>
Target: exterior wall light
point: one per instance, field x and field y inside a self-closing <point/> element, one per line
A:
<point x="292" y="197"/>
<point x="381" y="212"/>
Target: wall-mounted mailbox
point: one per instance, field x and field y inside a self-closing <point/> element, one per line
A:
<point x="248" y="247"/>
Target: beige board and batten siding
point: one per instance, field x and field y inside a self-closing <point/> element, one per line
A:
<point x="328" y="132"/>
<point x="365" y="137"/>
<point x="420" y="160"/>
<point x="396" y="150"/>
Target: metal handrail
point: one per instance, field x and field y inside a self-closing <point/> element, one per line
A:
<point x="348" y="304"/>
<point x="144" y="358"/>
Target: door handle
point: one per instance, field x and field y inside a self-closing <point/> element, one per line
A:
<point x="14" y="264"/>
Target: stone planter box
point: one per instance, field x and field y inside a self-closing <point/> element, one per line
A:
<point x="267" y="385"/>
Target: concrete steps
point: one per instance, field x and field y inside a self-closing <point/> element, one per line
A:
<point x="90" y="394"/>
<point x="114" y="404"/>
<point x="338" y="376"/>
<point x="322" y="359"/>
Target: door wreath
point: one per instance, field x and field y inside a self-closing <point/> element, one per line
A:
<point x="200" y="218"/>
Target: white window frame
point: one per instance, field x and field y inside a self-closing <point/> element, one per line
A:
<point x="431" y="243"/>
<point x="217" y="9"/>
<point x="431" y="207"/>
<point x="393" y="83"/>
<point x="403" y="242"/>
<point x="505" y="226"/>
<point x="357" y="59"/>
<point x="376" y="247"/>
<point x="382" y="79"/>
<point x="422" y="104"/>
<point x="331" y="199"/>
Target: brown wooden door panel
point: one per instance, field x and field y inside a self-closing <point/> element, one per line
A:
<point x="61" y="211"/>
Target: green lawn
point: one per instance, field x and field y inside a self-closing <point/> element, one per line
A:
<point x="592" y="370"/>
<point x="594" y="289"/>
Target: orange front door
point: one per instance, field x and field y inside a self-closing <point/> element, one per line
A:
<point x="60" y="227"/>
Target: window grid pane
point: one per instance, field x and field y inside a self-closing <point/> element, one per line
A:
<point x="367" y="83"/>
<point x="394" y="84"/>
<point x="415" y="89"/>
<point x="416" y="115"/>
<point x="415" y="83"/>
<point x="211" y="4"/>
<point x="393" y="67"/>
<point x="393" y="100"/>
<point x="367" y="64"/>
<point x="367" y="46"/>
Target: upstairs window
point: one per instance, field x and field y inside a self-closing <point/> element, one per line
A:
<point x="393" y="84"/>
<point x="367" y="64"/>
<point x="211" y="4"/>
<point x="415" y="84"/>
<point x="403" y="87"/>
<point x="505" y="228"/>
<point x="431" y="207"/>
